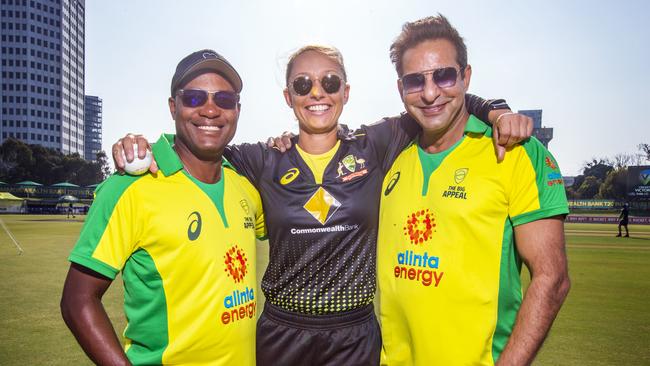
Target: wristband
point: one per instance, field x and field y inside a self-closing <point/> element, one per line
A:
<point x="498" y="104"/>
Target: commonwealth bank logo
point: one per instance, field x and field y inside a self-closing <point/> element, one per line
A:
<point x="322" y="205"/>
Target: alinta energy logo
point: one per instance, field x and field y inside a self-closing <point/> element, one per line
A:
<point x="322" y="205"/>
<point x="418" y="267"/>
<point x="419" y="226"/>
<point x="550" y="163"/>
<point x="236" y="264"/>
<point x="194" y="228"/>
<point x="413" y="265"/>
<point x="553" y="178"/>
<point x="241" y="304"/>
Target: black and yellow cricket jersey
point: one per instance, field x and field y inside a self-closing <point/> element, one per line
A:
<point x="448" y="268"/>
<point x="322" y="230"/>
<point x="186" y="250"/>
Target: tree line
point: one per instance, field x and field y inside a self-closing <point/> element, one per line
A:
<point x="606" y="178"/>
<point x="20" y="162"/>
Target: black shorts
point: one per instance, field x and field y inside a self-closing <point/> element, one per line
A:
<point x="349" y="338"/>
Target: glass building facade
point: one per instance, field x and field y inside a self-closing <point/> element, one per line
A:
<point x="43" y="73"/>
<point x="543" y="134"/>
<point x="92" y="126"/>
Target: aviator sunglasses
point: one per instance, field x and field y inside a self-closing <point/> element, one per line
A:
<point x="196" y="97"/>
<point x="444" y="78"/>
<point x="302" y="85"/>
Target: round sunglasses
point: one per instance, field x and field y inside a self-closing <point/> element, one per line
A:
<point x="444" y="77"/>
<point x="194" y="98"/>
<point x="303" y="84"/>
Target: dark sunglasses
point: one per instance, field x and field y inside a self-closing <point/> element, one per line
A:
<point x="196" y="97"/>
<point x="444" y="78"/>
<point x="302" y="85"/>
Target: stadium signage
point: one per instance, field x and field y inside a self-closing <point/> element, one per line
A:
<point x="606" y="220"/>
<point x="592" y="204"/>
<point x="638" y="182"/>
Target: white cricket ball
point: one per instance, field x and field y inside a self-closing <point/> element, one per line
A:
<point x="137" y="166"/>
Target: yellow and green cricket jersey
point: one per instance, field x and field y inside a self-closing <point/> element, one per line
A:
<point x="448" y="269"/>
<point x="186" y="250"/>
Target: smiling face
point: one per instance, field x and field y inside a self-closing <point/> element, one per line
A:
<point x="438" y="110"/>
<point x="317" y="112"/>
<point x="204" y="131"/>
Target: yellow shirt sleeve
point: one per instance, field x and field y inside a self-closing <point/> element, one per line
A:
<point x="537" y="187"/>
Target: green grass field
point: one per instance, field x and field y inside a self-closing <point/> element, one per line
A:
<point x="605" y="320"/>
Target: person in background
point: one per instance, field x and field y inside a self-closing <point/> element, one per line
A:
<point x="623" y="220"/>
<point x="70" y="211"/>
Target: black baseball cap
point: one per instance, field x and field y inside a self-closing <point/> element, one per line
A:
<point x="202" y="61"/>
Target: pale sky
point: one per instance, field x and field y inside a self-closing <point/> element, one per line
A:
<point x="583" y="62"/>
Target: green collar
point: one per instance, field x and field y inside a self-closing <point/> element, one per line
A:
<point x="167" y="158"/>
<point x="475" y="125"/>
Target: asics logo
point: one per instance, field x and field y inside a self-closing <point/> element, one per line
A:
<point x="289" y="176"/>
<point x="391" y="184"/>
<point x="194" y="228"/>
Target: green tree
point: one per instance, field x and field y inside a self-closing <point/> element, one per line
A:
<point x="19" y="161"/>
<point x="16" y="161"/>
<point x="94" y="172"/>
<point x="597" y="168"/>
<point x="615" y="185"/>
<point x="102" y="164"/>
<point x="645" y="150"/>
<point x="589" y="187"/>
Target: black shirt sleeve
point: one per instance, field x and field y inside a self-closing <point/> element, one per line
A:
<point x="388" y="137"/>
<point x="248" y="159"/>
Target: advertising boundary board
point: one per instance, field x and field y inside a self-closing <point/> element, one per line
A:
<point x="606" y="220"/>
<point x="638" y="182"/>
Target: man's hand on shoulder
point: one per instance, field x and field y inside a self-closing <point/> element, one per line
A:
<point x="282" y="142"/>
<point x="508" y="130"/>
